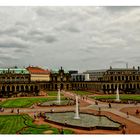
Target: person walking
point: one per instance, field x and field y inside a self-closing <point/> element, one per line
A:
<point x="17" y="111"/>
<point x="34" y="115"/>
<point x="127" y="114"/>
<point x="99" y="111"/>
<point x="109" y="105"/>
<point x="124" y="130"/>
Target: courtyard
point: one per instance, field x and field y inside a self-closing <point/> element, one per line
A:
<point x="20" y="115"/>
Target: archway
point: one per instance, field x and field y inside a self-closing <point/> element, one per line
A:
<point x="17" y="88"/>
<point x="22" y="88"/>
<point x="8" y="88"/>
<point x="67" y="86"/>
<point x="55" y="86"/>
<point x="3" y="88"/>
<point x="61" y="86"/>
<point x="26" y="88"/>
<point x="31" y="88"/>
<point x="13" y="88"/>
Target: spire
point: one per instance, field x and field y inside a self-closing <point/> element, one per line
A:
<point x="127" y="65"/>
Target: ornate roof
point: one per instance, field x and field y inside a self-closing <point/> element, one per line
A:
<point x="37" y="70"/>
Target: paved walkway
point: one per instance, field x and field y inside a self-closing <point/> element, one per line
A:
<point x="131" y="118"/>
<point x="104" y="107"/>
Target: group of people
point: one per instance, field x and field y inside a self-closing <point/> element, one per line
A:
<point x="84" y="97"/>
<point x="12" y="111"/>
<point x="1" y="109"/>
<point x="38" y="115"/>
<point x="137" y="112"/>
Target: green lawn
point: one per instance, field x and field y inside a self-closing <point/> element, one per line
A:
<point x="23" y="102"/>
<point x="82" y="92"/>
<point x="122" y="97"/>
<point x="52" y="93"/>
<point x="11" y="124"/>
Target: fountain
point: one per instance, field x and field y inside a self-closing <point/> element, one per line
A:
<point x="117" y="95"/>
<point x="59" y="101"/>
<point x="77" y="109"/>
<point x="58" y="97"/>
<point x="87" y="121"/>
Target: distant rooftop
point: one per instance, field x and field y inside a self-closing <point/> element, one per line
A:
<point x="14" y="70"/>
<point x="122" y="69"/>
<point x="99" y="70"/>
<point x="37" y="70"/>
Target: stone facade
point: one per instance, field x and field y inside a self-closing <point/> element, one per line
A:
<point x="13" y="81"/>
<point x="127" y="80"/>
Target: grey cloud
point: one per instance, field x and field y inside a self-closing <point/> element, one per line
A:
<point x="49" y="38"/>
<point x="36" y="32"/>
<point x="8" y="57"/>
<point x="118" y="62"/>
<point x="120" y="9"/>
<point x="22" y="50"/>
<point x="12" y="44"/>
<point x="21" y="24"/>
<point x="68" y="27"/>
<point x="97" y="36"/>
<point x="8" y="31"/>
<point x="73" y="29"/>
<point x="93" y="58"/>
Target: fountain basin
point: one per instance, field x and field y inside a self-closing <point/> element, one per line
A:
<point x="87" y="121"/>
<point x="56" y="103"/>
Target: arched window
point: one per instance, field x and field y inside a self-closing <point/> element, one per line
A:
<point x="56" y="86"/>
<point x="17" y="88"/>
<point x="22" y="88"/>
<point x="26" y="88"/>
<point x="134" y="86"/>
<point x="112" y="87"/>
<point x="13" y="88"/>
<point x="3" y="88"/>
<point x="111" y="78"/>
<point x="8" y="88"/>
<point x="138" y="86"/>
<point x="31" y="88"/>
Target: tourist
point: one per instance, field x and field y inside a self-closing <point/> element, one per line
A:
<point x="2" y="109"/>
<point x="109" y="105"/>
<point x="52" y="110"/>
<point x="96" y="103"/>
<point x="135" y="102"/>
<point x="127" y="114"/>
<point x="65" y="122"/>
<point x="38" y="115"/>
<point x="17" y="111"/>
<point x="99" y="111"/>
<point x="34" y="115"/>
<point x="32" y="106"/>
<point x="137" y="112"/>
<point x="12" y="110"/>
<point x="61" y="131"/>
<point x="123" y="130"/>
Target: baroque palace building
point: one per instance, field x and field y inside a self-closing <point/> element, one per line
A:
<point x="34" y="79"/>
<point x="126" y="79"/>
<point x="15" y="80"/>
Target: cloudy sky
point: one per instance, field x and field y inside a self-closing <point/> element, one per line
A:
<point x="73" y="37"/>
